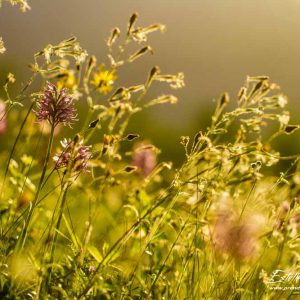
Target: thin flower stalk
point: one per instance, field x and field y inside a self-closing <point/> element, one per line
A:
<point x="74" y="158"/>
<point x="23" y="236"/>
<point x="55" y="106"/>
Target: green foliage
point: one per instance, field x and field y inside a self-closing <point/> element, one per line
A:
<point x="101" y="217"/>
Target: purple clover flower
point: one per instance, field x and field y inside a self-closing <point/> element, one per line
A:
<point x="56" y="106"/>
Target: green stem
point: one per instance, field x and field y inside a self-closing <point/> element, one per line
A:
<point x="121" y="241"/>
<point x="45" y="282"/>
<point x="87" y="120"/>
<point x="14" y="147"/>
<point x="23" y="236"/>
<point x="152" y="288"/>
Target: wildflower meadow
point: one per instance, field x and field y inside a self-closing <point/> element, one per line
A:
<point x="89" y="210"/>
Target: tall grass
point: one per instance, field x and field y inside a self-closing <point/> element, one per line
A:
<point x="91" y="219"/>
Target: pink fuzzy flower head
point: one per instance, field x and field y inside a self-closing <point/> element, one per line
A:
<point x="236" y="237"/>
<point x="74" y="155"/>
<point x="144" y="157"/>
<point x="3" y="119"/>
<point x="56" y="106"/>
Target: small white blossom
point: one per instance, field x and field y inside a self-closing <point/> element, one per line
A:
<point x="2" y="48"/>
<point x="282" y="101"/>
<point x="284" y="118"/>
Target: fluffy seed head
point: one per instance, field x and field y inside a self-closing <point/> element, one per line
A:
<point x="237" y="239"/>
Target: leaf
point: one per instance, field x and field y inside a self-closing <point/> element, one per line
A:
<point x="95" y="253"/>
<point x="74" y="238"/>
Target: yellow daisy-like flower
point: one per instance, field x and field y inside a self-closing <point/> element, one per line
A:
<point x="103" y="80"/>
<point x="67" y="80"/>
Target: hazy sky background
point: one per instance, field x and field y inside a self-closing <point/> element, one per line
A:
<point x="216" y="43"/>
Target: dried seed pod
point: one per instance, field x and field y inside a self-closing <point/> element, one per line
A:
<point x="121" y="93"/>
<point x="140" y="53"/>
<point x="153" y="72"/>
<point x="196" y="140"/>
<point x="93" y="124"/>
<point x="162" y="99"/>
<point x="289" y="129"/>
<point x="224" y="99"/>
<point x="141" y="34"/>
<point x="130" y="169"/>
<point x="131" y="136"/>
<point x="115" y="34"/>
<point x="131" y="23"/>
<point x="175" y="81"/>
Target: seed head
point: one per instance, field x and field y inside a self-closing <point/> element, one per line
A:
<point x="74" y="155"/>
<point x="235" y="238"/>
<point x="56" y="106"/>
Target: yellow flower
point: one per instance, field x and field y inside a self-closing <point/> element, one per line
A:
<point x="104" y="79"/>
<point x="67" y="80"/>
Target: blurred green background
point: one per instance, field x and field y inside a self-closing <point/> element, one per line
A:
<point x="216" y="43"/>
